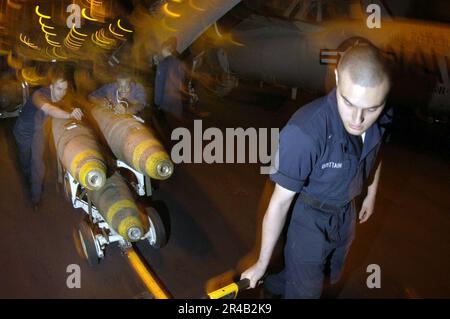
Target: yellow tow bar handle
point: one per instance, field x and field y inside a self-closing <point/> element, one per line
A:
<point x="230" y="291"/>
<point x="153" y="285"/>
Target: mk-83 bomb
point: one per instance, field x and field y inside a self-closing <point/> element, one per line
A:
<point x="115" y="203"/>
<point x="133" y="143"/>
<point x="79" y="152"/>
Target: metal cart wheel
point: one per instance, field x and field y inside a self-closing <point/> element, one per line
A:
<point x="158" y="237"/>
<point x="88" y="243"/>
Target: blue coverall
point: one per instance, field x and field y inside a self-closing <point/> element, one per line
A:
<point x="169" y="85"/>
<point x="328" y="167"/>
<point x="29" y="134"/>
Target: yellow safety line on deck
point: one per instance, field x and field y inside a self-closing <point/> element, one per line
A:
<point x="146" y="276"/>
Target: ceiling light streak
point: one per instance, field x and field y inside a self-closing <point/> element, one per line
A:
<point x="98" y="42"/>
<point x="122" y="28"/>
<point x="46" y="32"/>
<point x="78" y="32"/>
<point x="75" y="37"/>
<point x="216" y="28"/>
<point x="193" y="6"/>
<point x="23" y="39"/>
<point x="72" y="47"/>
<point x="53" y="43"/>
<point x="40" y="14"/>
<point x="170" y="13"/>
<point x="236" y="42"/>
<point x="43" y="25"/>
<point x="57" y="55"/>
<point x="29" y="75"/>
<point x="114" y="33"/>
<point x="102" y="34"/>
<point x="74" y="43"/>
<point x="83" y="13"/>
<point x="97" y="36"/>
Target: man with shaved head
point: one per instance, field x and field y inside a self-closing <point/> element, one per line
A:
<point x="327" y="152"/>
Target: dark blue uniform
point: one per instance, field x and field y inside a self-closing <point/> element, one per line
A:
<point x="29" y="134"/>
<point x="168" y="86"/>
<point x="327" y="166"/>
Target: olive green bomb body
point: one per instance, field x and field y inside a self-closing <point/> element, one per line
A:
<point x="79" y="152"/>
<point x="133" y="143"/>
<point x="115" y="203"/>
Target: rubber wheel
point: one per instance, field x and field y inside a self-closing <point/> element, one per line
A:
<point x="158" y="237"/>
<point x="87" y="241"/>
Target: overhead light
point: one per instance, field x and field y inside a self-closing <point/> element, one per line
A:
<point x="122" y="28"/>
<point x="170" y="13"/>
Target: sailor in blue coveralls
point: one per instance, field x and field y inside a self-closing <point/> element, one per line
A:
<point x="327" y="151"/>
<point x="29" y="128"/>
<point x="125" y="96"/>
<point x="169" y="81"/>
